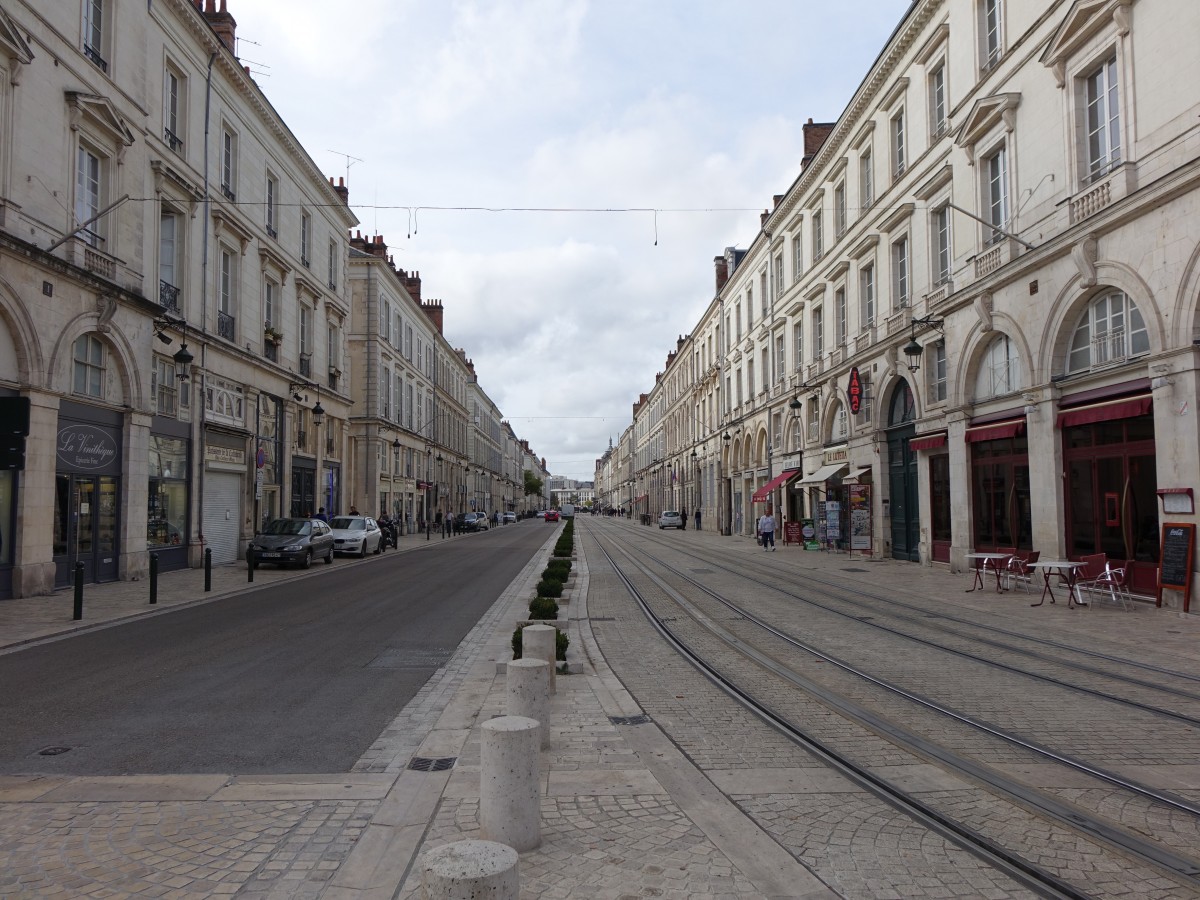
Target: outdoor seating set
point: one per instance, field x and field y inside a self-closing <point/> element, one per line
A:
<point x="1094" y="573"/>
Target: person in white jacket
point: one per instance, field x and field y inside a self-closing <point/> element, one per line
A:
<point x="766" y="530"/>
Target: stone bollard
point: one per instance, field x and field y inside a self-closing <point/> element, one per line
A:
<point x="479" y="870"/>
<point x="528" y="686"/>
<point x="509" y="796"/>
<point x="537" y="642"/>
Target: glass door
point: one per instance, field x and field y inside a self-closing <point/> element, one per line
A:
<point x="85" y="528"/>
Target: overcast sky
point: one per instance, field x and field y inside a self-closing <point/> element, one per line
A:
<point x="690" y="107"/>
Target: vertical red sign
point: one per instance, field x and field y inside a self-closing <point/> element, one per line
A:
<point x="854" y="391"/>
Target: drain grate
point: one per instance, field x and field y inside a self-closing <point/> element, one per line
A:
<point x="856" y="570"/>
<point x="53" y="751"/>
<point x="432" y="764"/>
<point x="630" y="720"/>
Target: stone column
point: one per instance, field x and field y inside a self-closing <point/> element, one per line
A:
<point x="509" y="795"/>
<point x="135" y="496"/>
<point x="33" y="557"/>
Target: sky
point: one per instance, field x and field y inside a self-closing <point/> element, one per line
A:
<point x="691" y="108"/>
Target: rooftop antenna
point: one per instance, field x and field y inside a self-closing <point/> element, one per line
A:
<point x="348" y="162"/>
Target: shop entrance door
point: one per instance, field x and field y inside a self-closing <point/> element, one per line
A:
<point x="85" y="528"/>
<point x="902" y="477"/>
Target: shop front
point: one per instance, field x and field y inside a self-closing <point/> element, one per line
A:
<point x="940" y="501"/>
<point x="1001" y="509"/>
<point x="903" y="506"/>
<point x="168" y="497"/>
<point x="827" y="497"/>
<point x="10" y="483"/>
<point x="87" y="492"/>
<point x="331" y="489"/>
<point x="304" y="487"/>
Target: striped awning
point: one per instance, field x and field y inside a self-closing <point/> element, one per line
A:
<point x="764" y="492"/>
<point x="1126" y="408"/>
<point x="997" y="432"/>
<point x="928" y="441"/>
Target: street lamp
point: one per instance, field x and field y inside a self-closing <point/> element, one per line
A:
<point x="913" y="349"/>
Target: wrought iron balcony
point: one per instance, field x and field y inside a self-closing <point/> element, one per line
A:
<point x="94" y="55"/>
<point x="225" y="325"/>
<point x="306" y="365"/>
<point x="168" y="296"/>
<point x="173" y="140"/>
<point x="228" y="192"/>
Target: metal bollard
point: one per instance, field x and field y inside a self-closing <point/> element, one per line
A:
<point x="208" y="569"/>
<point x="78" y="591"/>
<point x="250" y="562"/>
<point x="153" y="578"/>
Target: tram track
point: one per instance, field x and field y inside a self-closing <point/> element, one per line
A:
<point x="698" y="629"/>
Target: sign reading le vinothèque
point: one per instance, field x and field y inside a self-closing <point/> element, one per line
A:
<point x="86" y="447"/>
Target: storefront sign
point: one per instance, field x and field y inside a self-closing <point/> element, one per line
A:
<point x="836" y="455"/>
<point x="87" y="448"/>
<point x="231" y="455"/>
<point x="855" y="391"/>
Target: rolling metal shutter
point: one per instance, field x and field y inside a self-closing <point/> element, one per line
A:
<point x="222" y="515"/>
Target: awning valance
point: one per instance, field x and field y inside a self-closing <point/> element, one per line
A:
<point x="928" y="441"/>
<point x="1105" y="412"/>
<point x="855" y="477"/>
<point x="997" y="432"/>
<point x="764" y="492"/>
<point x="824" y="473"/>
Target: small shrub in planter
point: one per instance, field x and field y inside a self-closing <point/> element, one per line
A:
<point x="549" y="588"/>
<point x="550" y="574"/>
<point x="559" y="564"/>
<point x="561" y="642"/>
<point x="543" y="608"/>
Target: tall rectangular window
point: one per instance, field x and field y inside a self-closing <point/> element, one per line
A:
<point x="750" y="377"/>
<point x="866" y="179"/>
<point x="900" y="297"/>
<point x="749" y="307"/>
<point x="229" y="164"/>
<point x="797" y="257"/>
<point x="937" y="372"/>
<point x="270" y="304"/>
<point x="89" y="366"/>
<point x="1103" y="120"/>
<point x="839" y="307"/>
<point x="306" y="330"/>
<point x="738" y="319"/>
<point x="333" y="265"/>
<point x="996" y="199"/>
<point x="818" y="235"/>
<point x="305" y="238"/>
<point x="764" y="296"/>
<point x="89" y="191"/>
<point x="798" y="345"/>
<point x="272" y="206"/>
<point x="839" y="210"/>
<point x="168" y="246"/>
<point x="941" y="245"/>
<point x="385" y="320"/>
<point x="93" y="32"/>
<point x="992" y="25"/>
<point x="937" y="101"/>
<point x="228" y="294"/>
<point x="173" y="109"/>
<point x="898" y="148"/>
<point x="818" y="336"/>
<point x="866" y="295"/>
<point x="780" y="358"/>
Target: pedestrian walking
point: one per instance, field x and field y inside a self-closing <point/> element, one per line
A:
<point x="683" y="517"/>
<point x="697" y="518"/>
<point x="766" y="528"/>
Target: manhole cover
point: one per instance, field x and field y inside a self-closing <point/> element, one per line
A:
<point x="53" y="751"/>
<point x="432" y="764"/>
<point x="630" y="720"/>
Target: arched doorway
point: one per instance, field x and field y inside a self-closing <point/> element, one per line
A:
<point x="902" y="475"/>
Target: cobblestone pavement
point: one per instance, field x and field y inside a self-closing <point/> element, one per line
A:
<point x="702" y="801"/>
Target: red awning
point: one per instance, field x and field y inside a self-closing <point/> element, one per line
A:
<point x="995" y="432"/>
<point x="763" y="492"/>
<point x="1105" y="412"/>
<point x="927" y="441"/>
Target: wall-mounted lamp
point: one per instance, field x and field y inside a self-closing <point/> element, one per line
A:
<point x="396" y="445"/>
<point x="297" y="397"/>
<point x="913" y="350"/>
<point x="182" y="357"/>
<point x="183" y="362"/>
<point x="318" y="413"/>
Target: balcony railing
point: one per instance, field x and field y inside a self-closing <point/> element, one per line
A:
<point x="225" y="325"/>
<point x="1109" y="349"/>
<point x="94" y="55"/>
<point x="228" y="192"/>
<point x="173" y="140"/>
<point x="1092" y="202"/>
<point x="168" y="296"/>
<point x="306" y="365"/>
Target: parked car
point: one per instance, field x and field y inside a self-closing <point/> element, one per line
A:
<point x="552" y="515"/>
<point x="510" y="517"/>
<point x="670" y="519"/>
<point x="293" y="541"/>
<point x="356" y="534"/>
<point x="541" y="514"/>
<point x="475" y="522"/>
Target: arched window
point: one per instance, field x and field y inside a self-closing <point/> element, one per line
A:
<point x="89" y="366"/>
<point x="1110" y="331"/>
<point x="841" y="423"/>
<point x="903" y="408"/>
<point x="999" y="370"/>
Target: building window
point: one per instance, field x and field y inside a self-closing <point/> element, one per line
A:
<point x="841" y="423"/>
<point x="229" y="164"/>
<point x="937" y="101"/>
<point x="408" y="343"/>
<point x="173" y="110"/>
<point x="385" y="320"/>
<point x="306" y="330"/>
<point x="95" y="24"/>
<point x="1110" y="331"/>
<point x="839" y="305"/>
<point x="866" y="295"/>
<point x="750" y="377"/>
<point x="839" y="210"/>
<point x="749" y="308"/>
<point x="798" y="344"/>
<point x="866" y="179"/>
<point x="898" y="149"/>
<point x="900" y="297"/>
<point x="164" y="389"/>
<point x="797" y="257"/>
<point x="937" y="372"/>
<point x="89" y="367"/>
<point x="272" y="205"/>
<point x="737" y="317"/>
<point x="305" y="239"/>
<point x="778" y="280"/>
<point x="227" y="299"/>
<point x="818" y="337"/>
<point x="1000" y="370"/>
<point x="168" y="268"/>
<point x="818" y="235"/>
<point x="780" y="358"/>
<point x="995" y="168"/>
<point x="1103" y="120"/>
<point x="991" y="28"/>
<point x="333" y="265"/>
<point x="941" y="245"/>
<point x="270" y="304"/>
<point x="89" y="194"/>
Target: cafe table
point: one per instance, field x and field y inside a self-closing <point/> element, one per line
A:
<point x="990" y="561"/>
<point x="1068" y="569"/>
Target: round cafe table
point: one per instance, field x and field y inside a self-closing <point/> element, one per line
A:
<point x="1068" y="570"/>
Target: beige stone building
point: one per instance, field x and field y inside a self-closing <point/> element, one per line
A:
<point x="969" y="323"/>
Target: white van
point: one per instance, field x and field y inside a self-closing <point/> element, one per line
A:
<point x="568" y="510"/>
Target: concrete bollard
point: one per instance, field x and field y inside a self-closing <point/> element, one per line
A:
<point x="470" y="870"/>
<point x="528" y="693"/>
<point x="509" y="795"/>
<point x="537" y="642"/>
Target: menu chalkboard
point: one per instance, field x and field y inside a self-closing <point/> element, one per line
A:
<point x="1175" y="561"/>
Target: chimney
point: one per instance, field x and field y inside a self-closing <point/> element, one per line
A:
<point x="222" y="23"/>
<point x="341" y="189"/>
<point x="412" y="283"/>
<point x="762" y="219"/>
<point x="377" y="247"/>
<point x="815" y="135"/>
<point x="722" y="268"/>
<point x="434" y="310"/>
<point x="778" y="198"/>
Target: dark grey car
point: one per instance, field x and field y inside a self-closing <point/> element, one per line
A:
<point x="293" y="541"/>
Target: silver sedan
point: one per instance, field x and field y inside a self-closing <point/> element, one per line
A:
<point x="359" y="535"/>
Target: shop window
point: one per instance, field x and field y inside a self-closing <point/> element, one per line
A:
<point x="940" y="499"/>
<point x="166" y="520"/>
<point x="89" y="367"/>
<point x="1109" y="332"/>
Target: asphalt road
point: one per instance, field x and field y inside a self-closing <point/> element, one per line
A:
<point x="295" y="678"/>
